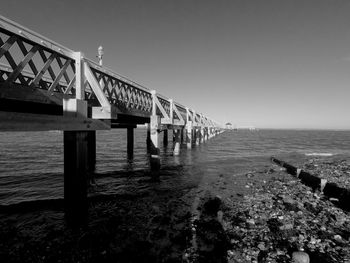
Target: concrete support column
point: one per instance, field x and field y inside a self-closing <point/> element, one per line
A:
<point x="177" y="136"/>
<point x="189" y="134"/>
<point x="165" y="138"/>
<point x="130" y="142"/>
<point x="155" y="141"/>
<point x="75" y="179"/>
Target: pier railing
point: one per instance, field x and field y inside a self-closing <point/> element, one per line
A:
<point x="36" y="69"/>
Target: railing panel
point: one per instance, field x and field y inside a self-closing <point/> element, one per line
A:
<point x="30" y="60"/>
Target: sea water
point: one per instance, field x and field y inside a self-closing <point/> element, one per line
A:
<point x="31" y="163"/>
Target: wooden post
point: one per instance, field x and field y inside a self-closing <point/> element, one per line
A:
<point x="165" y="138"/>
<point x="75" y="179"/>
<point x="177" y="142"/>
<point x="154" y="150"/>
<point x="189" y="134"/>
<point x="130" y="142"/>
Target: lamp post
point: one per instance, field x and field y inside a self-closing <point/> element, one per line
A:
<point x="100" y="55"/>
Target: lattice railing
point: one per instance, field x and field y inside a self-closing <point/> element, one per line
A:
<point x="124" y="94"/>
<point x="34" y="65"/>
<point x="31" y="61"/>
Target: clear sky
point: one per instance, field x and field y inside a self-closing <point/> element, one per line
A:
<point x="270" y="64"/>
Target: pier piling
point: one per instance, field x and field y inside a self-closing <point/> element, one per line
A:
<point x="177" y="142"/>
<point x="148" y="137"/>
<point x="154" y="147"/>
<point x="189" y="134"/>
<point x="165" y="138"/>
<point x="75" y="179"/>
<point x="130" y="142"/>
<point x="198" y="136"/>
<point x="202" y="134"/>
<point x="182" y="131"/>
<point x="91" y="141"/>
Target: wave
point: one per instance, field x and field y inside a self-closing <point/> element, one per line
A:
<point x="319" y="154"/>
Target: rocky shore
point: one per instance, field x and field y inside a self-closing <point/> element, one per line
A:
<point x="281" y="220"/>
<point x="264" y="215"/>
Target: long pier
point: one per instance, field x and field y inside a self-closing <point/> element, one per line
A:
<point x="46" y="86"/>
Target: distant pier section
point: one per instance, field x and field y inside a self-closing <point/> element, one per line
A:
<point x="229" y="126"/>
<point x="46" y="86"/>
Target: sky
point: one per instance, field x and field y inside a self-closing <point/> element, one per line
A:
<point x="269" y="64"/>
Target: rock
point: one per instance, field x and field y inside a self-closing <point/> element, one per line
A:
<point x="250" y="221"/>
<point x="261" y="246"/>
<point x="212" y="206"/>
<point x="338" y="238"/>
<point x="249" y="175"/>
<point x="220" y="215"/>
<point x="300" y="257"/>
<point x="290" y="204"/>
<point x="286" y="227"/>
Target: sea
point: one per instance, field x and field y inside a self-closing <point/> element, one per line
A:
<point x="31" y="163"/>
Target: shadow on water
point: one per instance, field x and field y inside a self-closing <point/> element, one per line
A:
<point x="132" y="218"/>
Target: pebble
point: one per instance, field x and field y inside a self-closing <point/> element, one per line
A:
<point x="251" y="221"/>
<point x="300" y="257"/>
<point x="338" y="238"/>
<point x="261" y="246"/>
<point x="286" y="227"/>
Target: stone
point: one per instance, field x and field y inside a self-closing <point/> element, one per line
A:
<point x="338" y="238"/>
<point x="300" y="257"/>
<point x="286" y="227"/>
<point x="220" y="216"/>
<point x="290" y="204"/>
<point x="261" y="246"/>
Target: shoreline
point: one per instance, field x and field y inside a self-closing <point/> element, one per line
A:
<point x="258" y="216"/>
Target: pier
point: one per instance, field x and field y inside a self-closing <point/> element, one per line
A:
<point x="45" y="86"/>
